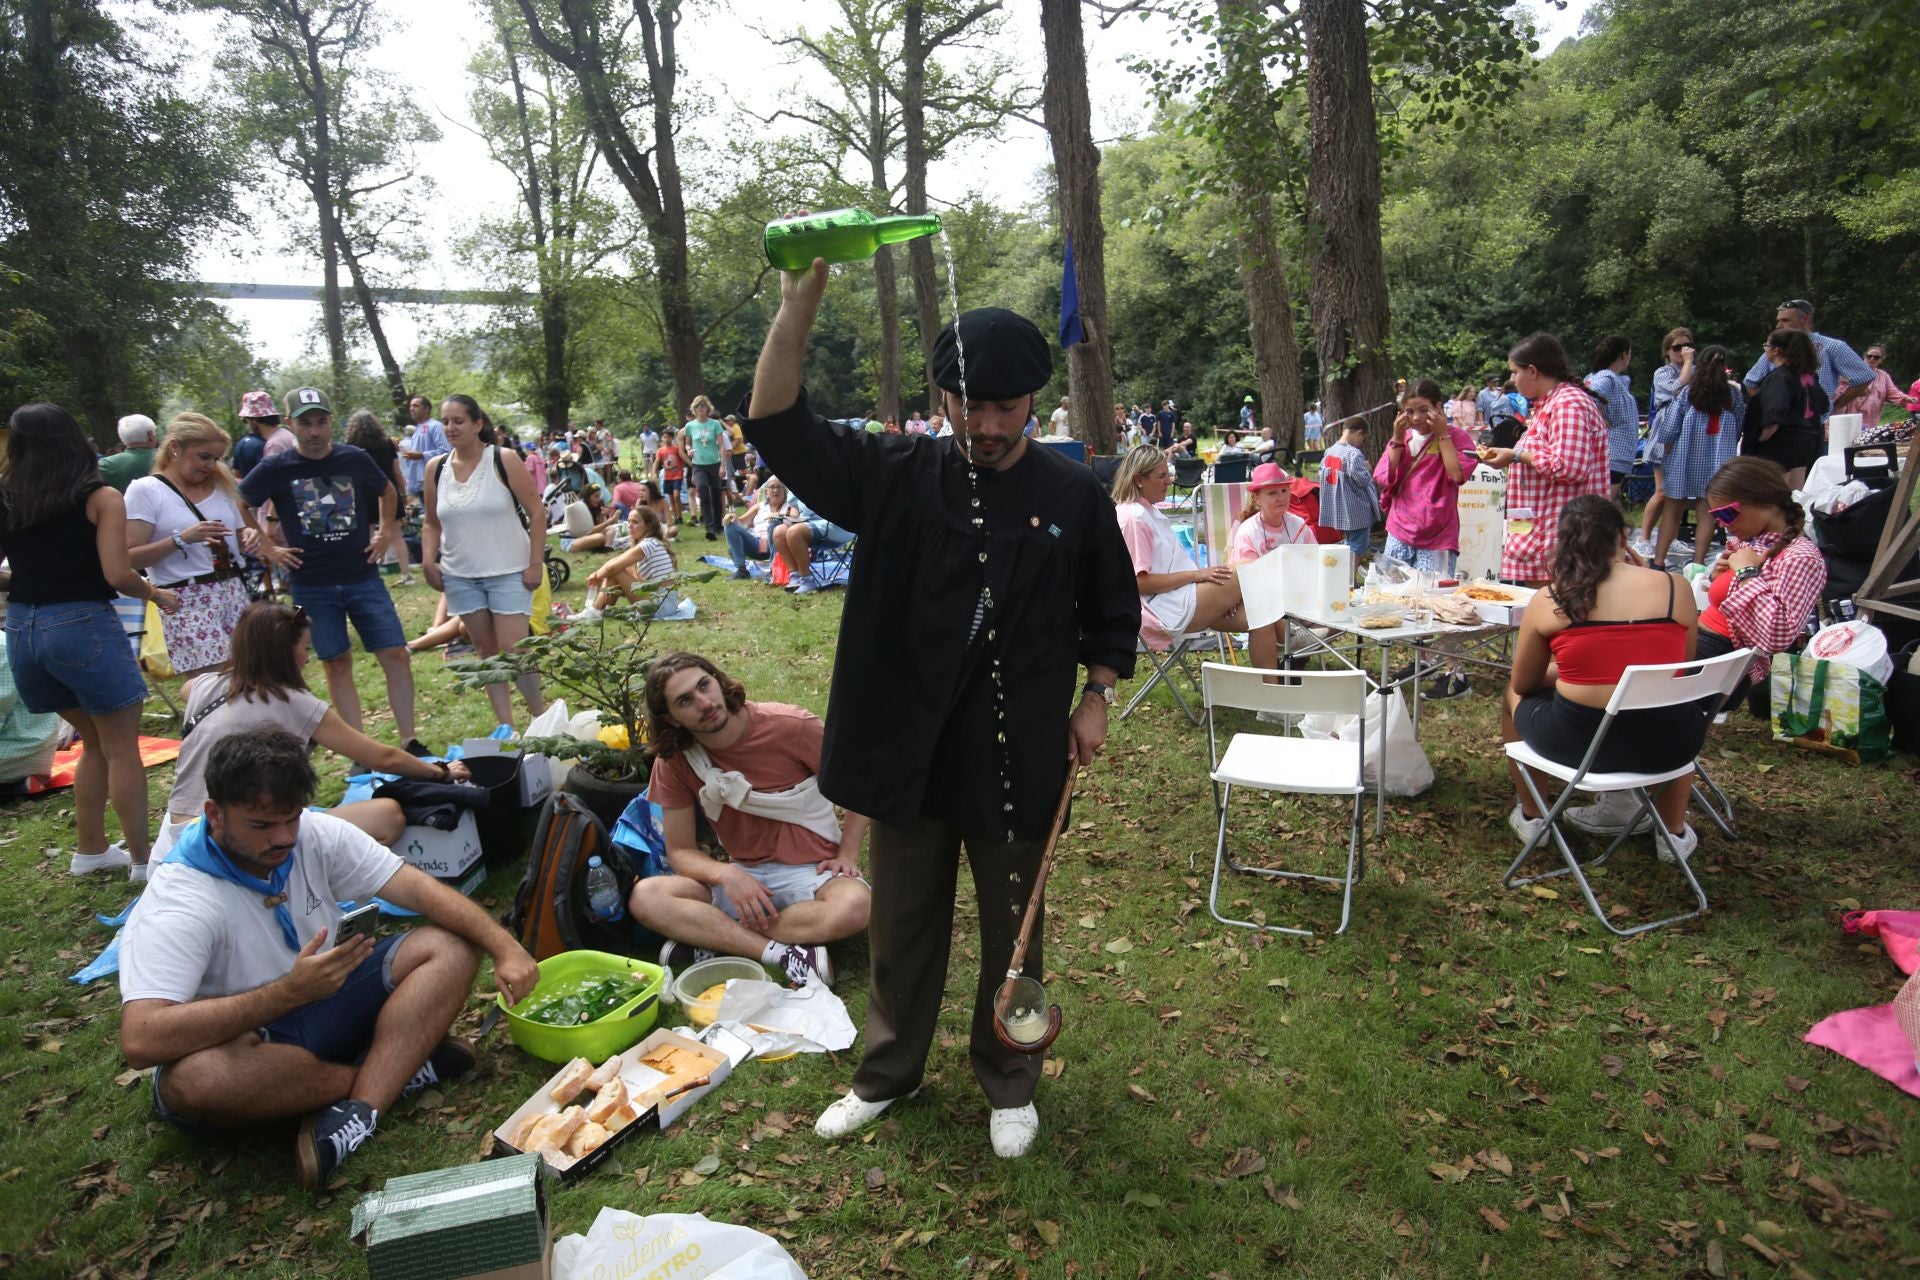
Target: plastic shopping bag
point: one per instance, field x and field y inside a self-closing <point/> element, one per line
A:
<point x="1830" y="707"/>
<point x="1409" y="772"/>
<point x="153" y="646"/>
<point x="542" y="603"/>
<point x="550" y="723"/>
<point x="671" y="1244"/>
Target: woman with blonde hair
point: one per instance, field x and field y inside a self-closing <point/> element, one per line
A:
<point x="1176" y="594"/>
<point x="188" y="529"/>
<point x="707" y="441"/>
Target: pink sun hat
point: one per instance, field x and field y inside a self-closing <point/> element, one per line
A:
<point x="258" y="404"/>
<point x="1267" y="475"/>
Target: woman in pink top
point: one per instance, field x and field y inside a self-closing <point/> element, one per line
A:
<point x="1464" y="411"/>
<point x="1563" y="456"/>
<point x="1879" y="391"/>
<point x="1419" y="476"/>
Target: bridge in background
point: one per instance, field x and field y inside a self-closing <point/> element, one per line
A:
<point x="313" y="293"/>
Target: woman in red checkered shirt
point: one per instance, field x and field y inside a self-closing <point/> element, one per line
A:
<point x="1768" y="581"/>
<point x="1562" y="456"/>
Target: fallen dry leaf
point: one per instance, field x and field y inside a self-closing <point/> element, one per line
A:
<point x="1139" y="1094"/>
<point x="1493" y="1218"/>
<point x="1049" y="1231"/>
<point x="1119" y="946"/>
<point x="1245" y="1163"/>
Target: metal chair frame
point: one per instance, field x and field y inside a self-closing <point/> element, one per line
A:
<point x="1640" y="688"/>
<point x="1298" y="693"/>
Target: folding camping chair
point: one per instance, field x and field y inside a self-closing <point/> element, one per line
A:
<point x="1640" y="688"/>
<point x="1216" y="509"/>
<point x="1188" y="473"/>
<point x="133" y="620"/>
<point x="834" y="565"/>
<point x="1273" y="762"/>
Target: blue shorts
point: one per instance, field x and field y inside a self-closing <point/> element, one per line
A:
<point x="336" y="1029"/>
<point x="671" y="488"/>
<point x="366" y="602"/>
<point x="498" y="593"/>
<point x="1359" y="541"/>
<point x="72" y="654"/>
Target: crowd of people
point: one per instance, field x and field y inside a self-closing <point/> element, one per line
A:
<point x="994" y="571"/>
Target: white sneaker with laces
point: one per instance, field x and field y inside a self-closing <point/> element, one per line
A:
<point x="114" y="857"/>
<point x="1683" y="845"/>
<point x="850" y="1114"/>
<point x="1523" y="826"/>
<point x="1013" y="1130"/>
<point x="1610" y="815"/>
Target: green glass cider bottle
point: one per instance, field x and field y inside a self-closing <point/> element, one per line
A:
<point x="840" y="235"/>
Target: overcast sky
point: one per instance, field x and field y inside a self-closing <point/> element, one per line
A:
<point x="720" y="54"/>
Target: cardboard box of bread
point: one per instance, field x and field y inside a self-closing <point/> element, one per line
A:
<point x="577" y="1118"/>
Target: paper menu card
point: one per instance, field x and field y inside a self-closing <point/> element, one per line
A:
<point x="1308" y="579"/>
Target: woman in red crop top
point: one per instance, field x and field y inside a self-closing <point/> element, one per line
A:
<point x="1602" y="612"/>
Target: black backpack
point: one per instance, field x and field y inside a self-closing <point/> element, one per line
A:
<point x="550" y="911"/>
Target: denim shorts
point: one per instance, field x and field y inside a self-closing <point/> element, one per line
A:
<point x="365" y="601"/>
<point x="335" y="1029"/>
<point x="72" y="654"/>
<point x="671" y="488"/>
<point x="823" y="534"/>
<point x="496" y="593"/>
<point x="1359" y="541"/>
<point x="785" y="882"/>
<point x="1438" y="560"/>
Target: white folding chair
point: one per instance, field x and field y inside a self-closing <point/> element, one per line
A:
<point x="1640" y="688"/>
<point x="1272" y="762"/>
<point x="1174" y="665"/>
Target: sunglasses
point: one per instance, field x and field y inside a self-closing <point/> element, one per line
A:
<point x="1875" y="356"/>
<point x="1725" y="516"/>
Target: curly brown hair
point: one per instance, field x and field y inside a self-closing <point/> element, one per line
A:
<point x="668" y="736"/>
<point x="1591" y="528"/>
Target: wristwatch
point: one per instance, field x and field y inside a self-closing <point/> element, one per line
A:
<point x="1102" y="691"/>
<point x="1746" y="573"/>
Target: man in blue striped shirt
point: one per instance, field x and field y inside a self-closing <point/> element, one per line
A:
<point x="1838" y="361"/>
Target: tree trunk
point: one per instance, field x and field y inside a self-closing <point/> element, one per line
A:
<point x="1076" y="163"/>
<point x="1348" y="296"/>
<point x="886" y="279"/>
<point x="1263" y="272"/>
<point x="327" y="215"/>
<point x="370" y="312"/>
<point x="556" y="390"/>
<point x="913" y="123"/>
<point x="659" y="200"/>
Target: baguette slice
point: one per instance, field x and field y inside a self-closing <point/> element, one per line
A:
<point x="572" y="1079"/>
<point x="523" y="1131"/>
<point x="586" y="1139"/>
<point x="612" y="1096"/>
<point x="608" y="1070"/>
<point x="622" y="1116"/>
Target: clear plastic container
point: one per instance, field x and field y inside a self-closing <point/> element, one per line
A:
<point x="691" y="989"/>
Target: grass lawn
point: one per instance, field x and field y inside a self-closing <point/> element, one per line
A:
<point x="1471" y="1082"/>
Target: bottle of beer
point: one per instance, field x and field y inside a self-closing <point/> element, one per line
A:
<point x="840" y="235"/>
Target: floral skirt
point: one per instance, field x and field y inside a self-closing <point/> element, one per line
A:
<point x="200" y="633"/>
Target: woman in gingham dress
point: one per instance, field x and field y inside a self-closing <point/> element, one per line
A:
<point x="1607" y="378"/>
<point x="1700" y="431"/>
<point x="1562" y="456"/>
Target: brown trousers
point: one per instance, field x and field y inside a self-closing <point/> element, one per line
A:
<point x="915" y="871"/>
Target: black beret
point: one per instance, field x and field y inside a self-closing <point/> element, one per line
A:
<point x="1007" y="356"/>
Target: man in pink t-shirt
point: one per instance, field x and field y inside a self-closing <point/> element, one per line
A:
<point x="792" y="880"/>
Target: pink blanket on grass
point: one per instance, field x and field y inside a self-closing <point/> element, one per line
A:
<point x="1883" y="1038"/>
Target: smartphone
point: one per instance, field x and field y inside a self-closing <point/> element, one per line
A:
<point x="358" y="923"/>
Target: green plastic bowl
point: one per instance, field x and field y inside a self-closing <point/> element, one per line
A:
<point x="598" y="1040"/>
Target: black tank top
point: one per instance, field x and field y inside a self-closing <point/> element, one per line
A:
<point x="57" y="560"/>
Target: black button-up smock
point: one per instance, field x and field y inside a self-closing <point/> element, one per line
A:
<point x="912" y="720"/>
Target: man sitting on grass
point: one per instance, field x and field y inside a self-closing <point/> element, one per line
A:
<point x="229" y="988"/>
<point x="793" y="883"/>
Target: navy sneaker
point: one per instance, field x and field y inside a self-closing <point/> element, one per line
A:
<point x="1449" y="686"/>
<point x="681" y="956"/>
<point x="328" y="1137"/>
<point x="450" y="1059"/>
<point x="803" y="964"/>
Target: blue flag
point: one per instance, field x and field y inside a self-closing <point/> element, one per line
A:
<point x="1071" y="330"/>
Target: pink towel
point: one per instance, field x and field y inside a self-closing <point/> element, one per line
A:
<point x="1871" y="1037"/>
<point x="1898" y="932"/>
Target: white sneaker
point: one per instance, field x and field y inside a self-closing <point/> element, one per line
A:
<point x="115" y="857"/>
<point x="851" y="1114"/>
<point x="137" y="872"/>
<point x="1523" y="826"/>
<point x="1683" y="845"/>
<point x="1013" y="1130"/>
<point x="1610" y="815"/>
<point x="588" y="614"/>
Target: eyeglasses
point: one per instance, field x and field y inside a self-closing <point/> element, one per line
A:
<point x="1725" y="516"/>
<point x="1875" y="356"/>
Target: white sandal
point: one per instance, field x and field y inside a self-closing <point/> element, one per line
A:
<point x="1013" y="1130"/>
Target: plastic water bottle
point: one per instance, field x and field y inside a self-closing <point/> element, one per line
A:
<point x="603" y="893"/>
<point x="840" y="235"/>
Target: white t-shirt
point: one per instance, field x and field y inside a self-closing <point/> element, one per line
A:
<point x="149" y="499"/>
<point x="1058" y="421"/>
<point x="195" y="937"/>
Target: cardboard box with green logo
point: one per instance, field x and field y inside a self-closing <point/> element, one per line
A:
<point x="485" y="1221"/>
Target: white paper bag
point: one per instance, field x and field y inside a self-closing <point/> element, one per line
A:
<point x="1409" y="772"/>
<point x="671" y="1244"/>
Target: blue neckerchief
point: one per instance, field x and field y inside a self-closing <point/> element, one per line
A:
<point x="196" y="848"/>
